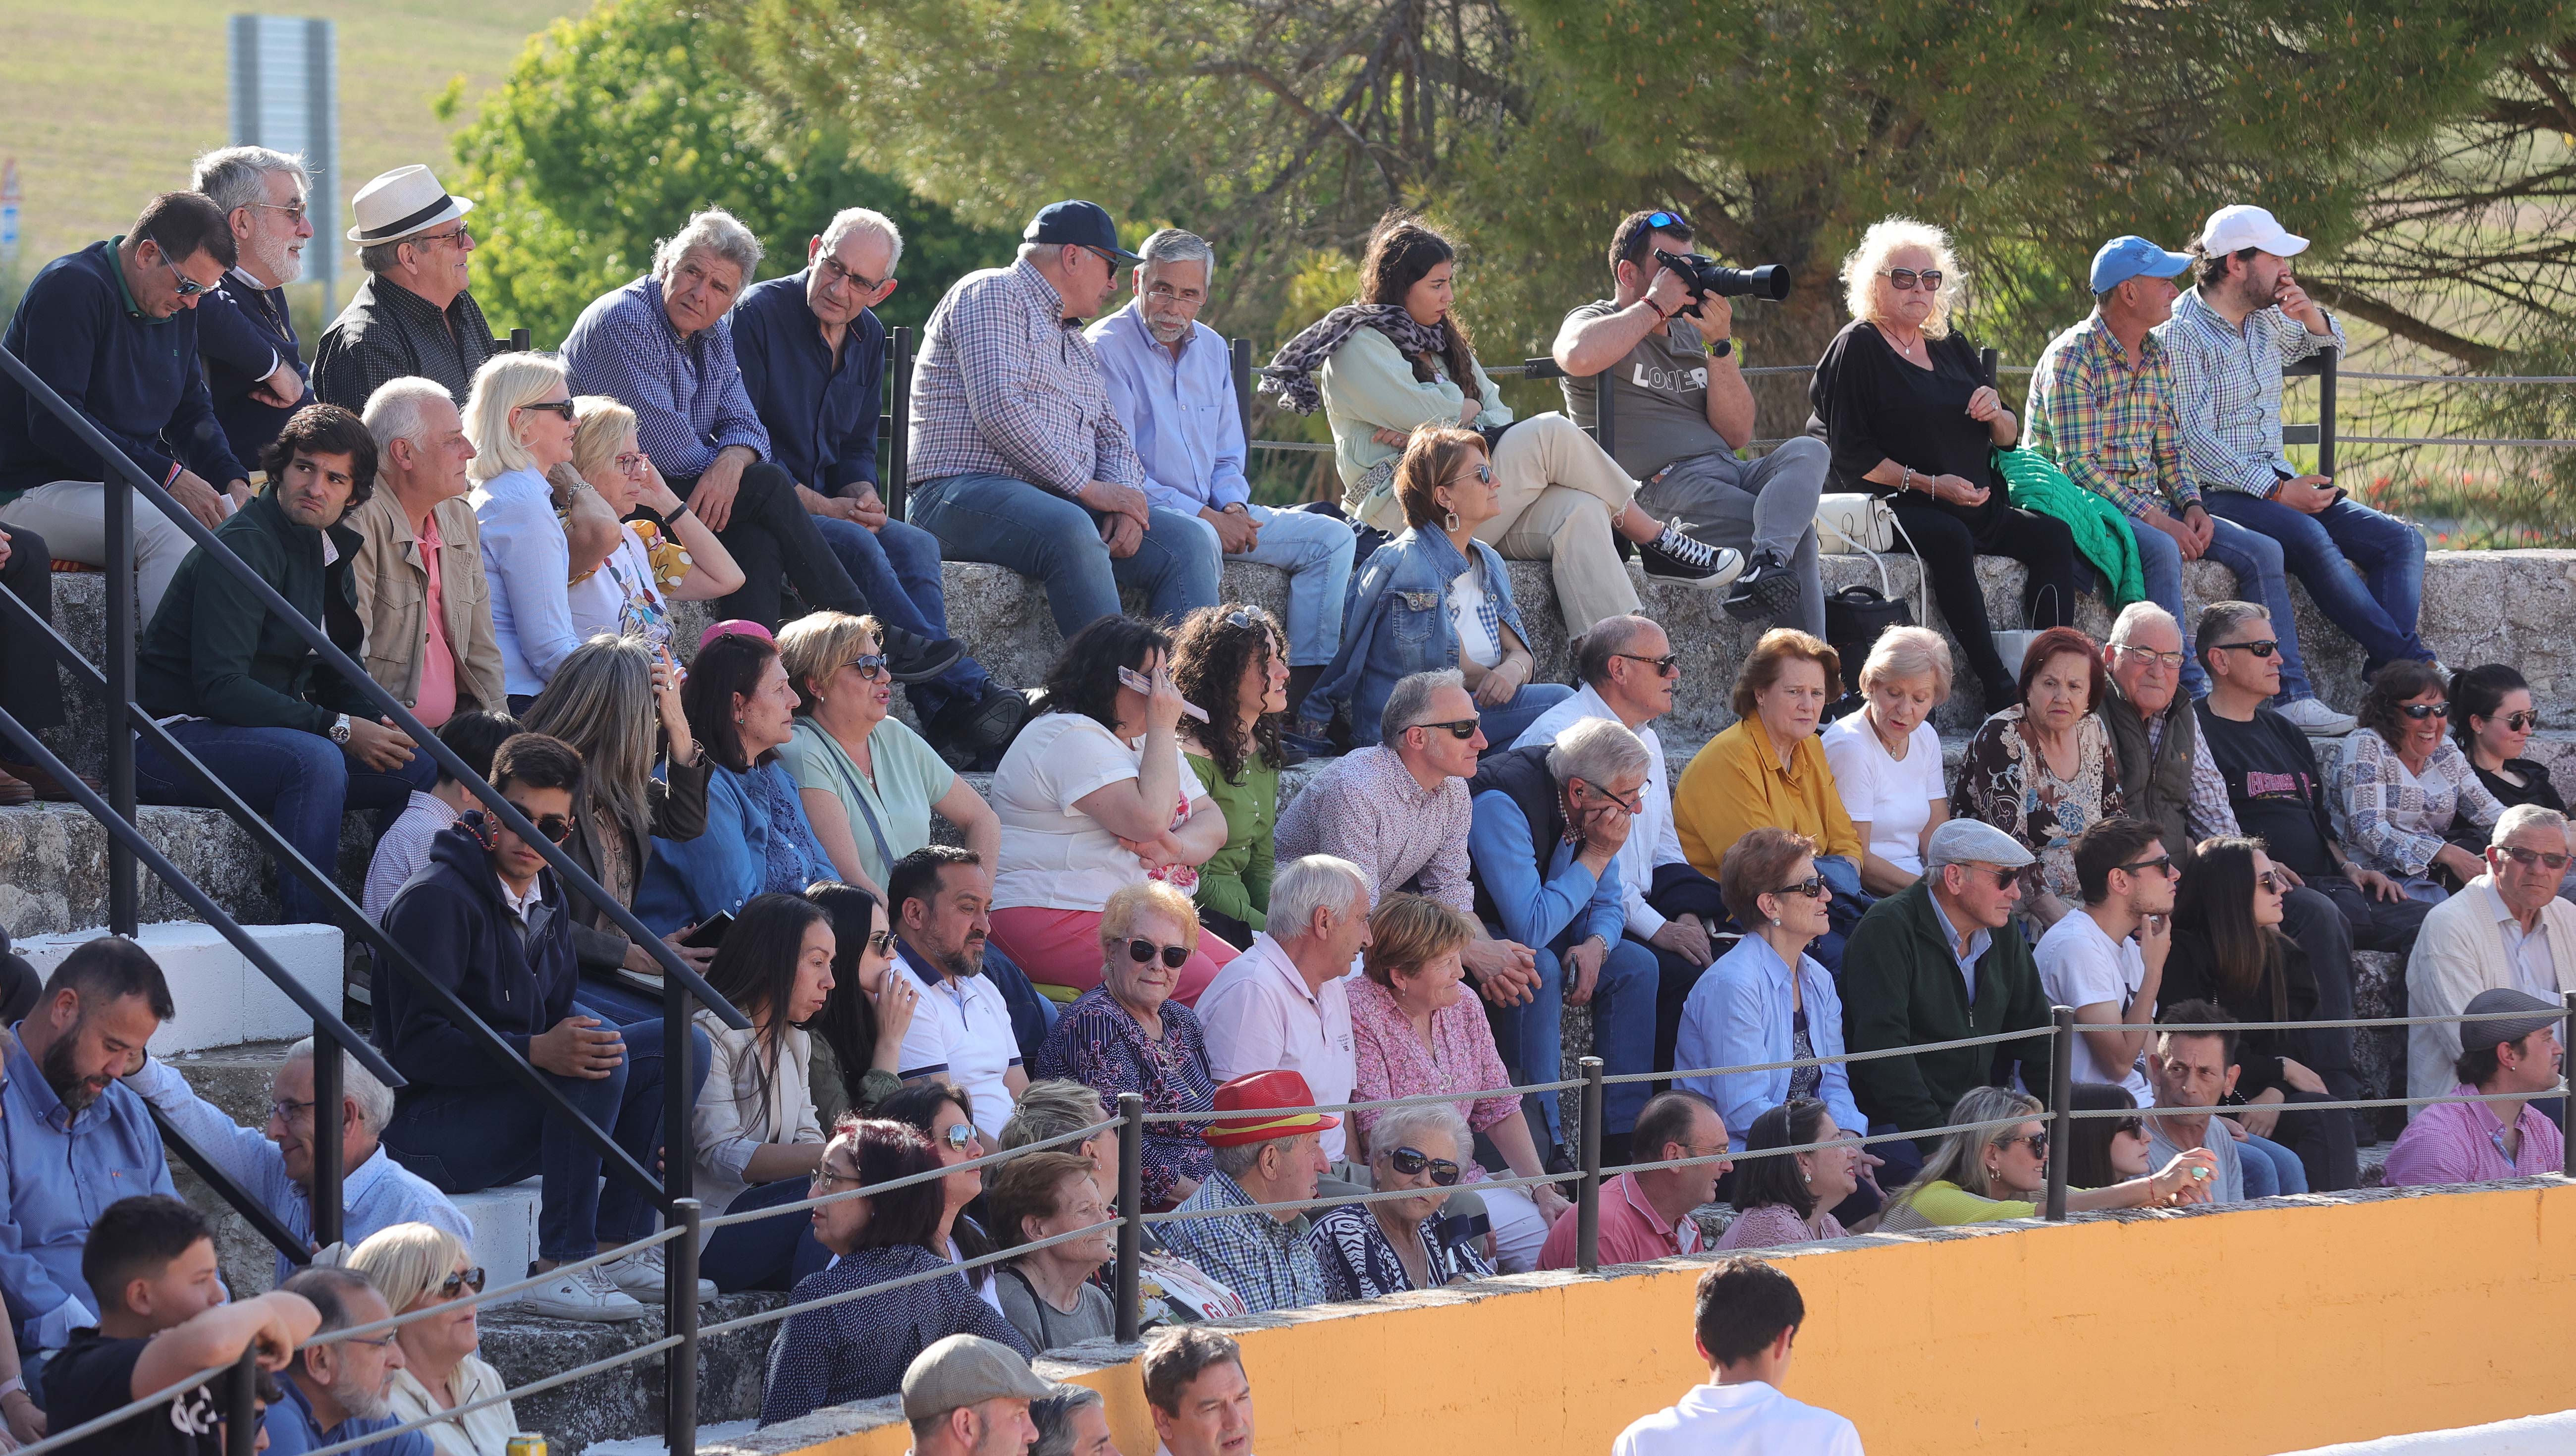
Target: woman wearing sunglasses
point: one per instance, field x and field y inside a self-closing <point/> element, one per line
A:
<point x="1127" y="1034"/>
<point x="946" y="1116"/>
<point x="630" y="595"/>
<point x="1396" y="1244"/>
<point x="1985" y="1173"/>
<point x="2102" y="1151"/>
<point x="2403" y="781"/>
<point x="1437" y="597"/>
<point x="2492" y="719"/>
<point x="520" y="421"/>
<point x="1789" y="1198"/>
<point x="2229" y="950"/>
<point x="1909" y="416"/>
<point x="858" y="1035"/>
<point x="418" y="1266"/>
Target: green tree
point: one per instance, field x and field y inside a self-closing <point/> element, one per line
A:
<point x="612" y="129"/>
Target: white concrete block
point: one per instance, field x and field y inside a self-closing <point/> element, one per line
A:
<point x="505" y="1230"/>
<point x="222" y="1000"/>
<point x="2550" y="1435"/>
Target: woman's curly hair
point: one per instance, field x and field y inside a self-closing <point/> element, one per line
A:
<point x="1209" y="654"/>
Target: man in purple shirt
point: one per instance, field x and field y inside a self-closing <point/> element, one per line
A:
<point x="1171" y="379"/>
<point x="2514" y="1056"/>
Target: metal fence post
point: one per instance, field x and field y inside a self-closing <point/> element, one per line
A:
<point x="2567" y="1076"/>
<point x="1239" y="357"/>
<point x="124" y="886"/>
<point x="2061" y="1090"/>
<point x="1131" y="1215"/>
<point x="241" y="1404"/>
<point x="679" y="1146"/>
<point x="2327" y="360"/>
<point x="898" y="469"/>
<point x="328" y="1096"/>
<point x="680" y="1317"/>
<point x="1587" y="1200"/>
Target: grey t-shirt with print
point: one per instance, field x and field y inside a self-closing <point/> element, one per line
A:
<point x="1660" y="413"/>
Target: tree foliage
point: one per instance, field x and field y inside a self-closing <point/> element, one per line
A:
<point x="612" y="129"/>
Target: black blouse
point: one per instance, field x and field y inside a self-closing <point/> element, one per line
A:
<point x="2288" y="993"/>
<point x="1876" y="405"/>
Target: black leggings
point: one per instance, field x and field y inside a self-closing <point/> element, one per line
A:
<point x="1949" y="548"/>
<point x="776" y="544"/>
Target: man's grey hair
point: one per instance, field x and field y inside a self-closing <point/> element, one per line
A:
<point x="2136" y="614"/>
<point x="375" y="1100"/>
<point x="713" y="231"/>
<point x="1404" y="1126"/>
<point x="1237" y="1159"/>
<point x="1410" y="704"/>
<point x="330" y="1288"/>
<point x="1594" y="650"/>
<point x="1053" y="1416"/>
<point x="1316" y="882"/>
<point x="394" y="411"/>
<point x="2525" y="816"/>
<point x="861" y="220"/>
<point x="1171" y="245"/>
<point x="237" y="177"/>
<point x="2218" y="619"/>
<point x="1599" y="751"/>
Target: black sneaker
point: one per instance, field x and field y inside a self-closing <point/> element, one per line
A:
<point x="913" y="658"/>
<point x="1676" y="557"/>
<point x="1766" y="590"/>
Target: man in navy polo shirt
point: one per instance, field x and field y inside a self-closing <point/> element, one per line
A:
<point x="813" y="354"/>
<point x="243" y="329"/>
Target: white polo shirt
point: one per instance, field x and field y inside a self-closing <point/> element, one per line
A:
<point x="962" y="1028"/>
<point x="1260" y="1017"/>
<point x="1750" y="1419"/>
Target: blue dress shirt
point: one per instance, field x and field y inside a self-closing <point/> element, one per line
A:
<point x="687" y="393"/>
<point x="1976" y="951"/>
<point x="63" y="1173"/>
<point x="292" y="1430"/>
<point x="1181" y="413"/>
<point x="1738" y="1015"/>
<point x="1570" y="902"/>
<point x="821" y="416"/>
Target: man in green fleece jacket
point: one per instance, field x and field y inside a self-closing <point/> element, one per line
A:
<point x="1940" y="960"/>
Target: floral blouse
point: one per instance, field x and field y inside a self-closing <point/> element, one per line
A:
<point x="2005" y="780"/>
<point x="1097" y="1043"/>
<point x="2392" y="819"/>
<point x="1394" y="1063"/>
<point x="1359" y="1263"/>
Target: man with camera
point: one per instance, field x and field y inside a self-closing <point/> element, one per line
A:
<point x="1680" y="410"/>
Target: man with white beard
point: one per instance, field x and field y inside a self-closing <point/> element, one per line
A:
<point x="244" y="332"/>
<point x="1172" y="382"/>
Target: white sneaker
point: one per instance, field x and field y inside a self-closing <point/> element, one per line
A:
<point x="2317" y="720"/>
<point x="643" y="1276"/>
<point x="589" y="1295"/>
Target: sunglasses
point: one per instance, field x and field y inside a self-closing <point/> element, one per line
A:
<point x="1668" y="665"/>
<point x="2037" y="1142"/>
<point x="294" y="210"/>
<point x="460" y="233"/>
<point x="2522" y="722"/>
<point x="2129" y="1127"/>
<point x="2528" y="857"/>
<point x="1813" y="887"/>
<point x="560" y="407"/>
<point x="881" y="942"/>
<point x="2263" y="648"/>
<point x="2269" y="880"/>
<point x="2421" y="711"/>
<point x="1411" y="1161"/>
<point x="869" y="665"/>
<point x="463" y="1281"/>
<point x="1906" y="278"/>
<point x="2162" y="864"/>
<point x="186" y="287"/>
<point x="959" y="1137"/>
<point x="1142" y="951"/>
<point x="555" y="827"/>
<point x="1484" y="474"/>
<point x="1462" y="729"/>
<point x="1657" y="222"/>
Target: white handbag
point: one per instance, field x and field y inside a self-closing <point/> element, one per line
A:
<point x="1854" y="521"/>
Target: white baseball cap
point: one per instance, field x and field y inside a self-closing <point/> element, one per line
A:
<point x="2241" y="226"/>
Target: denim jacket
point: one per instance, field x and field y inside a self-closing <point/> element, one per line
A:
<point x="1396" y="623"/>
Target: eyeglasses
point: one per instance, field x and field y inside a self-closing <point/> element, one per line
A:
<point x="2269" y="880"/>
<point x="2149" y="656"/>
<point x="2529" y="857"/>
<point x="1659" y="222"/>
<point x="1906" y="278"/>
<point x="186" y="287"/>
<point x="1461" y="729"/>
<point x="631" y="464"/>
<point x="2129" y="1127"/>
<point x="869" y="665"/>
<point x="555" y="827"/>
<point x="1813" y="887"/>
<point x="1411" y="1161"/>
<point x="2037" y="1142"/>
<point x="562" y="407"/>
<point x="461" y="1281"/>
<point x="379" y="1342"/>
<point x="823" y="1179"/>
<point x="2263" y="648"/>
<point x="1142" y="951"/>
<point x="831" y="269"/>
<point x="959" y="1137"/>
<point x="2421" y="711"/>
<point x="1607" y="797"/>
<point x="282" y="1110"/>
<point x="294" y="210"/>
<point x="1105" y="256"/>
<point x="1668" y="665"/>
<point x="1169" y="294"/>
<point x="2522" y="722"/>
<point x="1248" y="617"/>
<point x="459" y="234"/>
<point x="2162" y="864"/>
<point x="2003" y="877"/>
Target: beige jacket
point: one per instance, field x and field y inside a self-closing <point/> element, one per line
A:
<point x="393" y="586"/>
<point x="734" y="1118"/>
<point x="2460" y="952"/>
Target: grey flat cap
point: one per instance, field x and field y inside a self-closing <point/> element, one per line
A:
<point x="2538" y="1013"/>
<point x="964" y="1370"/>
<point x="1974" y="841"/>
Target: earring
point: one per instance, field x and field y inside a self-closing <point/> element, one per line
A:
<point x="1452" y="522"/>
<point x="737" y="720"/>
<point x="1806" y="1177"/>
<point x="1775" y="922"/>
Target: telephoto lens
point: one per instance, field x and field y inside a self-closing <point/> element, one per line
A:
<point x="1706" y="275"/>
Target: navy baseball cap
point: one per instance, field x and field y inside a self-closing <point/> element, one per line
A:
<point x="1081" y="224"/>
<point x="2124" y="258"/>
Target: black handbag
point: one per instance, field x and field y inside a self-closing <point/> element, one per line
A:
<point x="1854" y="618"/>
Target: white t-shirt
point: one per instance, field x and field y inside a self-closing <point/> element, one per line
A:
<point x="622" y="599"/>
<point x="1893" y="797"/>
<point x="1053" y="855"/>
<point x="1466" y="610"/>
<point x="961" y="1027"/>
<point x="1751" y="1419"/>
<point x="2080" y="965"/>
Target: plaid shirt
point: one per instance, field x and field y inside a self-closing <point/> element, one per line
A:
<point x="2227" y="390"/>
<point x="1267" y="1262"/>
<point x="1367" y="809"/>
<point x="1007" y="385"/>
<point x="2207" y="813"/>
<point x="2108" y="422"/>
<point x="687" y="394"/>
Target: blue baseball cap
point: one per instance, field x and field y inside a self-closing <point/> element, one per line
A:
<point x="1079" y="224"/>
<point x="2124" y="258"/>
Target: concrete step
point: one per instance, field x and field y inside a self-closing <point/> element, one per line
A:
<point x="53" y="866"/>
<point x="222" y="999"/>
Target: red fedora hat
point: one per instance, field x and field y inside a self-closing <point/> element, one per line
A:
<point x="1259" y="1098"/>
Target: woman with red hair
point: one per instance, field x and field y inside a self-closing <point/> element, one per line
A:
<point x="2044" y="769"/>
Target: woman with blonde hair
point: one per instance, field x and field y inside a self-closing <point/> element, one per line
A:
<point x="519" y="419"/>
<point x="1908" y="414"/>
<point x="1985" y="1173"/>
<point x="418" y="1266"/>
<point x="637" y="580"/>
<point x="1886" y="758"/>
<point x="1128" y="1034"/>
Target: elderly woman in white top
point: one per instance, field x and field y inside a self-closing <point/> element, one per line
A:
<point x="1093" y="796"/>
<point x="418" y="1266"/>
<point x="1887" y="758"/>
<point x="2403" y="780"/>
<point x="627" y="596"/>
<point x="756" y="1134"/>
<point x="520" y="420"/>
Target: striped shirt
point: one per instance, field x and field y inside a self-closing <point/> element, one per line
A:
<point x="1007" y="385"/>
<point x="2108" y="420"/>
<point x="2227" y="390"/>
<point x="687" y="394"/>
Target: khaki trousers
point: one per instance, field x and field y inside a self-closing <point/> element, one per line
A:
<point x="1559" y="494"/>
<point x="72" y="517"/>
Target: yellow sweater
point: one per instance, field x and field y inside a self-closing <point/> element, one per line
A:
<point x="1735" y="784"/>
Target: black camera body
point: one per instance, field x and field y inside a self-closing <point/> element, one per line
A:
<point x="1706" y="275"/>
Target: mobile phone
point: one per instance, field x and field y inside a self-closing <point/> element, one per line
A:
<point x="1137" y="680"/>
<point x="710" y="932"/>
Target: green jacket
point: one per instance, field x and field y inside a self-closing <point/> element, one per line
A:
<point x="1236" y="879"/>
<point x="1901" y="987"/>
<point x="213" y="651"/>
<point x="2102" y="534"/>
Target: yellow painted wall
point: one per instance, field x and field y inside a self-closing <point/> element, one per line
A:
<point x="2352" y="1320"/>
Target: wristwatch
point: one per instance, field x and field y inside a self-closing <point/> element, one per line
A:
<point x="340" y="730"/>
<point x="1721" y="348"/>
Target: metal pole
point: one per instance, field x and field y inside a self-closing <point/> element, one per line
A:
<point x="1605" y="429"/>
<point x="1587" y="1201"/>
<point x="680" y="1317"/>
<point x="1240" y="356"/>
<point x="2061" y="1090"/>
<point x="898" y="470"/>
<point x="2567" y="1161"/>
<point x="521" y="341"/>
<point x="241" y="1416"/>
<point x="124" y="886"/>
<point x="679" y="1143"/>
<point x="2326" y="362"/>
<point x="327" y="1113"/>
<point x="1131" y="1215"/>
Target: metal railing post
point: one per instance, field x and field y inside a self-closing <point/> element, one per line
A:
<point x="1131" y="1215"/>
<point x="1587" y="1202"/>
<point x="1239" y="354"/>
<point x="680" y="1317"/>
<point x="2567" y="1105"/>
<point x="898" y="470"/>
<point x="521" y="341"/>
<point x="2061" y="1091"/>
<point x="2326" y="362"/>
<point x="241" y="1405"/>
<point x="124" y="885"/>
<point x="327" y="1171"/>
<point x="1605" y="423"/>
<point x="679" y="1141"/>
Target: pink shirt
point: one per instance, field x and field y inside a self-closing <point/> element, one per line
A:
<point x="1631" y="1231"/>
<point x="1773" y="1225"/>
<point x="437" y="664"/>
<point x="1260" y="1016"/>
<point x="1394" y="1063"/>
<point x="2462" y="1142"/>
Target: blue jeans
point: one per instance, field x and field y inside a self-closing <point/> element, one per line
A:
<point x="1056" y="540"/>
<point x="2256" y="560"/>
<point x="1507" y="723"/>
<point x="896" y="567"/>
<point x="300" y="782"/>
<point x="1623" y="1032"/>
<point x="768" y="1253"/>
<point x="467" y="1139"/>
<point x="1316" y="551"/>
<point x="2376" y="605"/>
<point x="2270" y="1169"/>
